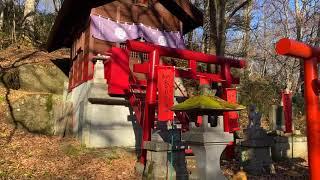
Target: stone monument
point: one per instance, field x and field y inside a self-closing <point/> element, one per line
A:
<point x="256" y="147"/>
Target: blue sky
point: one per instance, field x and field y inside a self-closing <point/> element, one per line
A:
<point x="45" y="6"/>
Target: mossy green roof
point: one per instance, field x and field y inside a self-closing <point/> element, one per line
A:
<point x="206" y="103"/>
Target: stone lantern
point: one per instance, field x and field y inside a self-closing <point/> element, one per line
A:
<point x="209" y="139"/>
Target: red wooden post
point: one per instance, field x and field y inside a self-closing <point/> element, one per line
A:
<point x="287" y="110"/>
<point x="231" y="94"/>
<point x="310" y="55"/>
<point x="150" y="104"/>
<point x="226" y="74"/>
<point x="193" y="68"/>
<point x="313" y="118"/>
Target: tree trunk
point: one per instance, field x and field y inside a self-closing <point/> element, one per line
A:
<point x="212" y="26"/>
<point x="263" y="70"/>
<point x="317" y="41"/>
<point x="1" y="20"/>
<point x="219" y="23"/>
<point x="29" y="12"/>
<point x="190" y="40"/>
<point x="222" y="27"/>
<point x="13" y="30"/>
<point x="246" y="37"/>
<point x="298" y="38"/>
<point x="206" y="27"/>
<point x="57" y="5"/>
<point x="1" y="13"/>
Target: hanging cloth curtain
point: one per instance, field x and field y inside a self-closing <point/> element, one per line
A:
<point x="108" y="30"/>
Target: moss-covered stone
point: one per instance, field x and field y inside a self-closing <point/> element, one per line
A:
<point x="49" y="103"/>
<point x="41" y="78"/>
<point x="203" y="102"/>
<point x="35" y="112"/>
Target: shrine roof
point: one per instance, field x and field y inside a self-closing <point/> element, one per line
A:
<point x="74" y="15"/>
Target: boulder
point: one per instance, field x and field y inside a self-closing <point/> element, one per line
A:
<point x="38" y="77"/>
<point x="36" y="112"/>
<point x="41" y="78"/>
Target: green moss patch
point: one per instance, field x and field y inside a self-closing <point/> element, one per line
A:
<point x="203" y="102"/>
<point x="72" y="150"/>
<point x="49" y="103"/>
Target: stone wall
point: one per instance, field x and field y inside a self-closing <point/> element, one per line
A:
<point x="284" y="148"/>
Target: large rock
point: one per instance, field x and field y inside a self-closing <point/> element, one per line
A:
<point x="38" y="77"/>
<point x="30" y="69"/>
<point x="41" y="78"/>
<point x="35" y="112"/>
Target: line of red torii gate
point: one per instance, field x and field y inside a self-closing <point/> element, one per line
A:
<point x="309" y="55"/>
<point x="119" y="83"/>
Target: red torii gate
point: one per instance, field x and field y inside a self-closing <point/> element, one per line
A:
<point x="146" y="113"/>
<point x="155" y="52"/>
<point x="311" y="58"/>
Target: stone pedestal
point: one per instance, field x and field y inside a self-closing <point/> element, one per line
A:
<point x="165" y="157"/>
<point x="208" y="143"/>
<point x="100" y="120"/>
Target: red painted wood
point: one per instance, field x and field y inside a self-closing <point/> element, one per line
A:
<point x="297" y="49"/>
<point x="233" y="116"/>
<point x="287" y="110"/>
<point x="310" y="55"/>
<point x="150" y="104"/>
<point x="118" y="82"/>
<point x="184" y="54"/>
<point x="165" y="92"/>
<point x="313" y="117"/>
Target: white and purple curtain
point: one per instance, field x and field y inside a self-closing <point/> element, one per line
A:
<point x="108" y="30"/>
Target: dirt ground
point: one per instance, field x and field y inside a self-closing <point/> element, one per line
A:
<point x="289" y="169"/>
<point x="24" y="155"/>
<point x="29" y="156"/>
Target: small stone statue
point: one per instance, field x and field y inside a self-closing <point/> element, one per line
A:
<point x="254" y="117"/>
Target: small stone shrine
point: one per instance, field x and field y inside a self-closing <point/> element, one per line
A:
<point x="256" y="147"/>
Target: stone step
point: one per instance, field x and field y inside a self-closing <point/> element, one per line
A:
<point x="98" y="95"/>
